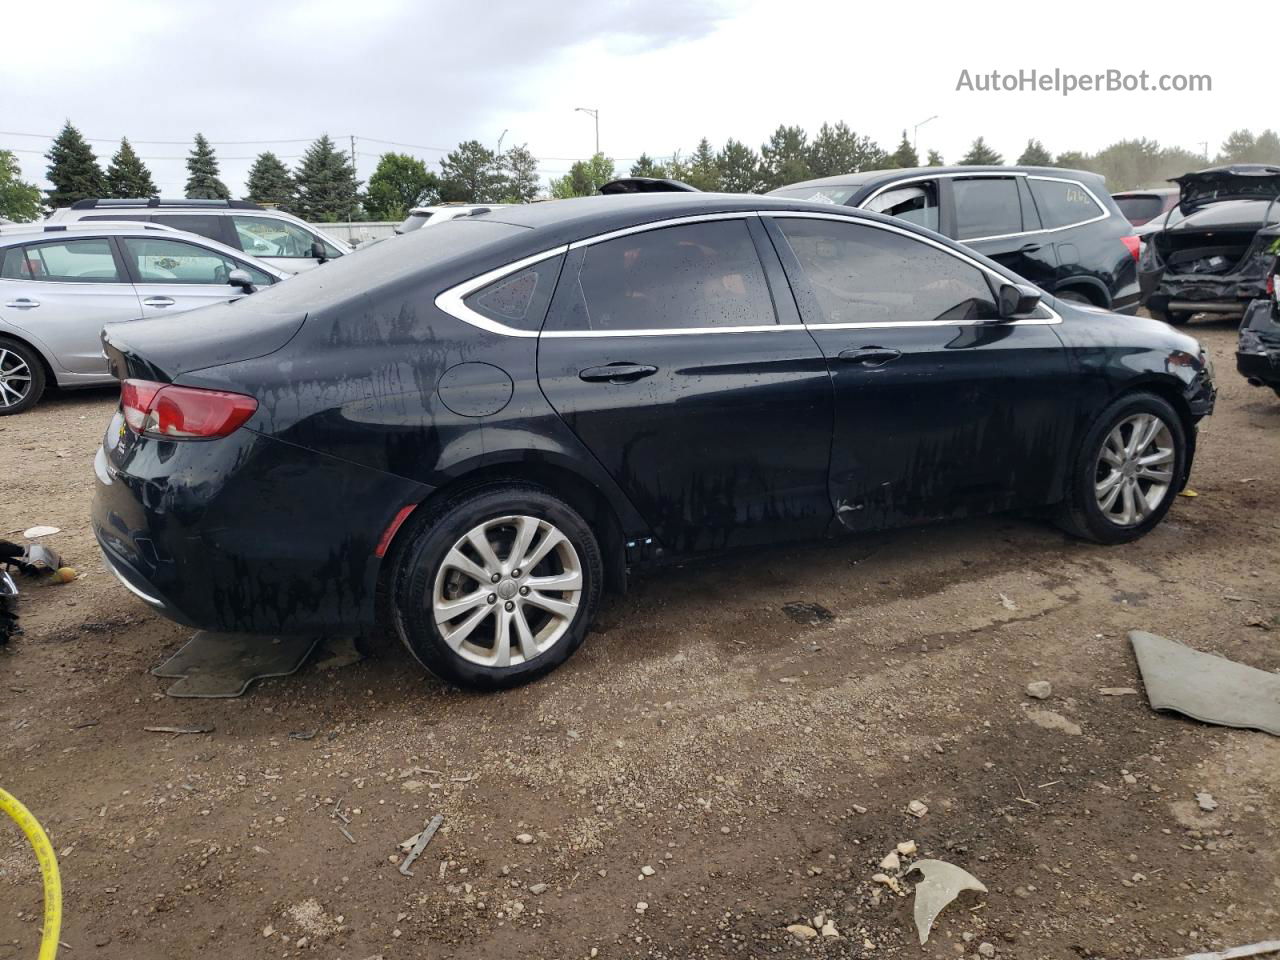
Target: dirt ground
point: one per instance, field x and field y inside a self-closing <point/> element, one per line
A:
<point x="709" y="769"/>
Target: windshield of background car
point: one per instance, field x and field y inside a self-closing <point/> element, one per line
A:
<point x="413" y="221"/>
<point x="1138" y="208"/>
<point x="835" y="193"/>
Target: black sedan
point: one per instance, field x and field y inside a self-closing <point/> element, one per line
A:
<point x="485" y="424"/>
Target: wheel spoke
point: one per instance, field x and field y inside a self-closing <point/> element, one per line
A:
<point x="1109" y="483"/>
<point x="528" y="644"/>
<point x="550" y="540"/>
<point x="502" y="640"/>
<point x="460" y="561"/>
<point x="1140" y="506"/>
<point x="1109" y="500"/>
<point x="447" y="610"/>
<point x="479" y="539"/>
<point x="526" y="530"/>
<point x="455" y="637"/>
<point x="1156" y="476"/>
<point x="561" y="608"/>
<point x="1126" y="503"/>
<point x="569" y="580"/>
<point x="1152" y="459"/>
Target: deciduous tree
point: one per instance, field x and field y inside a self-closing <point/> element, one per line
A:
<point x="739" y="168"/>
<point x="785" y="158"/>
<point x="520" y="168"/>
<point x="837" y="150"/>
<point x="584" y="178"/>
<point x="19" y="200"/>
<point x="399" y="184"/>
<point x="471" y="174"/>
<point x="646" y="166"/>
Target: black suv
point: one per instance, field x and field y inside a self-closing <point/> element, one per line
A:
<point x="1060" y="229"/>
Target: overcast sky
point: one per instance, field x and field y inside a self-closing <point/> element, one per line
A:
<point x="663" y="74"/>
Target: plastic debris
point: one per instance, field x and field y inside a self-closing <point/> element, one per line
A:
<point x="421" y="842"/>
<point x="1252" y="950"/>
<point x="42" y="531"/>
<point x="942" y="883"/>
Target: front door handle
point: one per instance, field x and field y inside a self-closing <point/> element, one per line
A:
<point x="1029" y="248"/>
<point x="159" y="301"/>
<point x="23" y="303"/>
<point x="870" y="356"/>
<point x="617" y="373"/>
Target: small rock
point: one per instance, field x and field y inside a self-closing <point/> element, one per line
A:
<point x="724" y="829"/>
<point x="917" y="809"/>
<point x="303" y="941"/>
<point x="829" y="929"/>
<point x="859" y="809"/>
<point x="890" y="862"/>
<point x="1054" y="721"/>
<point x="525" y="838"/>
<point x="1040" y="689"/>
<point x="907" y="848"/>
<point x="1130" y="779"/>
<point x="818" y="921"/>
<point x="986" y="949"/>
<point x="802" y="931"/>
<point x="538" y="889"/>
<point x="641" y="907"/>
<point x="1206" y="801"/>
<point x="1117" y="691"/>
<point x="647" y="871"/>
<point x="1022" y="893"/>
<point x="268" y="931"/>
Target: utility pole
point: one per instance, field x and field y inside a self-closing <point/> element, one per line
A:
<point x="594" y="114"/>
<point x="915" y="135"/>
<point x="1204" y="147"/>
<point x="352" y="214"/>
<point x="500" y="139"/>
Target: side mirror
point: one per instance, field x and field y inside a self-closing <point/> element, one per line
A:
<point x="241" y="279"/>
<point x="1017" y="300"/>
<point x="318" y="251"/>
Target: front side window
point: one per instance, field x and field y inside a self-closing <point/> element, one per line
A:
<point x="987" y="207"/>
<point x="836" y="194"/>
<point x="691" y="276"/>
<point x="1065" y="202"/>
<point x="915" y="203"/>
<point x="271" y="237"/>
<point x="862" y="274"/>
<point x="174" y="261"/>
<point x="67" y="261"/>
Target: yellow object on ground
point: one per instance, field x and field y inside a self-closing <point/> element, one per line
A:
<point x="48" y="870"/>
<point x="1188" y="493"/>
<point x="65" y="574"/>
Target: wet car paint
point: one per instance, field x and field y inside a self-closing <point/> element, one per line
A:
<point x="274" y="528"/>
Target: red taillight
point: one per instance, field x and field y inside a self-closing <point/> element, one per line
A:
<point x="1271" y="284"/>
<point x="1133" y="244"/>
<point x="183" y="413"/>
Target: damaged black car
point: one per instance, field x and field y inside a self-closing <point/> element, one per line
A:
<point x="1213" y="251"/>
<point x="1258" y="350"/>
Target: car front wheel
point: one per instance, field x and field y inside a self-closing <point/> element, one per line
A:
<point x="1127" y="471"/>
<point x="22" y="380"/>
<point x="497" y="586"/>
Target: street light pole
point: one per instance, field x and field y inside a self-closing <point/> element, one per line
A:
<point x="915" y="134"/>
<point x="594" y="114"/>
<point x="500" y="139"/>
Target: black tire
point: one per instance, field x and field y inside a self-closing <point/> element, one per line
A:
<point x="420" y="562"/>
<point x="34" y="368"/>
<point x="1081" y="515"/>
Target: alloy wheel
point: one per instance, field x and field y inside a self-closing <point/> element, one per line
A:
<point x="1134" y="470"/>
<point x="15" y="378"/>
<point x="507" y="591"/>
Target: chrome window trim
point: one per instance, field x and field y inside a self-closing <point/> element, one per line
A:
<point x="451" y="300"/>
<point x="999" y="173"/>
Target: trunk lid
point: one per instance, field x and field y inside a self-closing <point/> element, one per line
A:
<point x="165" y="348"/>
<point x="1231" y="182"/>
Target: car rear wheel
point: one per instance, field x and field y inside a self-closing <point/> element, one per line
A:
<point x="22" y="379"/>
<point x="497" y="586"/>
<point x="1127" y="471"/>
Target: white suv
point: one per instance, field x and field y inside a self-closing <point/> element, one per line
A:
<point x="429" y="216"/>
<point x="272" y="236"/>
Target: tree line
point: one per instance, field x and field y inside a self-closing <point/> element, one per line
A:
<point x="324" y="187"/>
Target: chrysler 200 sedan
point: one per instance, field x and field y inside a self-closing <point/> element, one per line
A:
<point x="480" y="427"/>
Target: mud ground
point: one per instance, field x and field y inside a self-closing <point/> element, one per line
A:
<point x="702" y="732"/>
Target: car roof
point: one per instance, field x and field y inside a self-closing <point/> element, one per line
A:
<point x="1147" y="191"/>
<point x="875" y="178"/>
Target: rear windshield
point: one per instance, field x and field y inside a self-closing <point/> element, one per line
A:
<point x="1138" y="208"/>
<point x="837" y="194"/>
<point x="413" y="221"/>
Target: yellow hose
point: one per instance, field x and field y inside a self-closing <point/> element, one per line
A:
<point x="48" y="870"/>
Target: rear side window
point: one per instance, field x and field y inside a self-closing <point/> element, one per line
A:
<point x="1063" y="202"/>
<point x="67" y="261"/>
<point x="272" y="237"/>
<point x="699" y="275"/>
<point x="210" y="227"/>
<point x="861" y="274"/>
<point x="915" y="203"/>
<point x="987" y="207"/>
<point x="519" y="300"/>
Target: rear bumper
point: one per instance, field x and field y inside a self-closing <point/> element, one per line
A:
<point x="1260" y="369"/>
<point x="246" y="534"/>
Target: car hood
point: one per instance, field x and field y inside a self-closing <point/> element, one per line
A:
<point x="1227" y="183"/>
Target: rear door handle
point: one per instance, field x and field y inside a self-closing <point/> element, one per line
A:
<point x="159" y="301"/>
<point x="23" y="303"/>
<point x="617" y="373"/>
<point x="870" y="356"/>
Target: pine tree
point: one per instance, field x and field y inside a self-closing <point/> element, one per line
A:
<point x="521" y="170"/>
<point x="905" y="156"/>
<point x="739" y="168"/>
<point x="471" y="174"/>
<point x="202" y="173"/>
<point x="270" y="182"/>
<point x="837" y="150"/>
<point x="785" y="158"/>
<point x="646" y="166"/>
<point x="73" y="169"/>
<point x="935" y="159"/>
<point x="1035" y="155"/>
<point x="703" y="171"/>
<point x="327" y="185"/>
<point x="980" y="154"/>
<point x="127" y="176"/>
